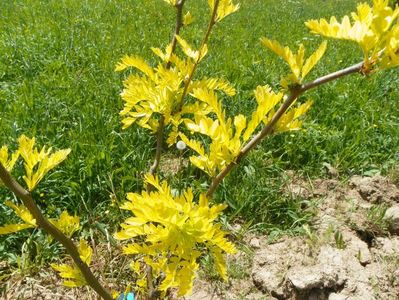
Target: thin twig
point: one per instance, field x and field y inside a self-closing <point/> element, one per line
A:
<point x="43" y="223"/>
<point x="179" y="25"/>
<point x="161" y="125"/>
<point x="152" y="292"/>
<point x="212" y="23"/>
<point x="295" y="92"/>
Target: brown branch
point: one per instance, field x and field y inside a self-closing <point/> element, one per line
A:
<point x="161" y="125"/>
<point x="43" y="223"/>
<point x="295" y="92"/>
<point x="179" y="25"/>
<point x="212" y="23"/>
<point x="158" y="151"/>
<point x="152" y="292"/>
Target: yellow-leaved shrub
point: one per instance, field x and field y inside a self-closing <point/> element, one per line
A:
<point x="374" y="28"/>
<point x="71" y="273"/>
<point x="170" y="233"/>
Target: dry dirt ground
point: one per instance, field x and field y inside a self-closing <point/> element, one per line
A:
<point x="350" y="251"/>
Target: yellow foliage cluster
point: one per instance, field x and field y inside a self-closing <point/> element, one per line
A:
<point x="22" y="212"/>
<point x="297" y="63"/>
<point x="38" y="163"/>
<point x="72" y="275"/>
<point x="8" y="161"/>
<point x="66" y="223"/>
<point x="374" y="28"/>
<point x="225" y="8"/>
<point x="170" y="233"/>
<point x="228" y="135"/>
<point x="159" y="90"/>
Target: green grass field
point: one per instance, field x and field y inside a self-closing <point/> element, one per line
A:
<point x="57" y="83"/>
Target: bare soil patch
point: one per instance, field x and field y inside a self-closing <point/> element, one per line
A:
<point x="350" y="252"/>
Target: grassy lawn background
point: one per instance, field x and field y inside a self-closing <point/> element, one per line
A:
<point x="57" y="83"/>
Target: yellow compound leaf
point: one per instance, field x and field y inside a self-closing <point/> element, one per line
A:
<point x="72" y="275"/>
<point x="136" y="267"/>
<point x="165" y="56"/>
<point x="186" y="275"/>
<point x="267" y="100"/>
<point x="22" y="212"/>
<point x="196" y="55"/>
<point x="171" y="2"/>
<point x="11" y="228"/>
<point x="220" y="263"/>
<point x="314" y="59"/>
<point x="240" y="123"/>
<point x="290" y="120"/>
<point x="285" y="53"/>
<point x="370" y="27"/>
<point x="188" y="19"/>
<point x="6" y="160"/>
<point x="135" y="62"/>
<point x="66" y="223"/>
<point x="38" y="164"/>
<point x="153" y="180"/>
<point x="193" y="144"/>
<point x="225" y="8"/>
<point x="85" y="251"/>
<point x="214" y="84"/>
<point x="299" y="67"/>
<point x="174" y="231"/>
<point x="210" y="98"/>
<point x="303" y="108"/>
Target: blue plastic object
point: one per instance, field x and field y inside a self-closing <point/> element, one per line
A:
<point x="128" y="296"/>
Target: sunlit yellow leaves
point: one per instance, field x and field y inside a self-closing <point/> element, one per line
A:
<point x="22" y="212"/>
<point x="85" y="252"/>
<point x="159" y="90"/>
<point x="371" y="28"/>
<point x="188" y="19"/>
<point x="196" y="55"/>
<point x="11" y="228"/>
<point x="313" y="59"/>
<point x="211" y="99"/>
<point x="8" y="161"/>
<point x="135" y="62"/>
<point x="225" y="8"/>
<point x="297" y="63"/>
<point x="67" y="224"/>
<point x="171" y="2"/>
<point x="391" y="57"/>
<point x="214" y="84"/>
<point x="164" y="56"/>
<point x="38" y="163"/>
<point x="291" y="119"/>
<point x="71" y="274"/>
<point x="266" y="100"/>
<point x="170" y="231"/>
<point x="225" y="135"/>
